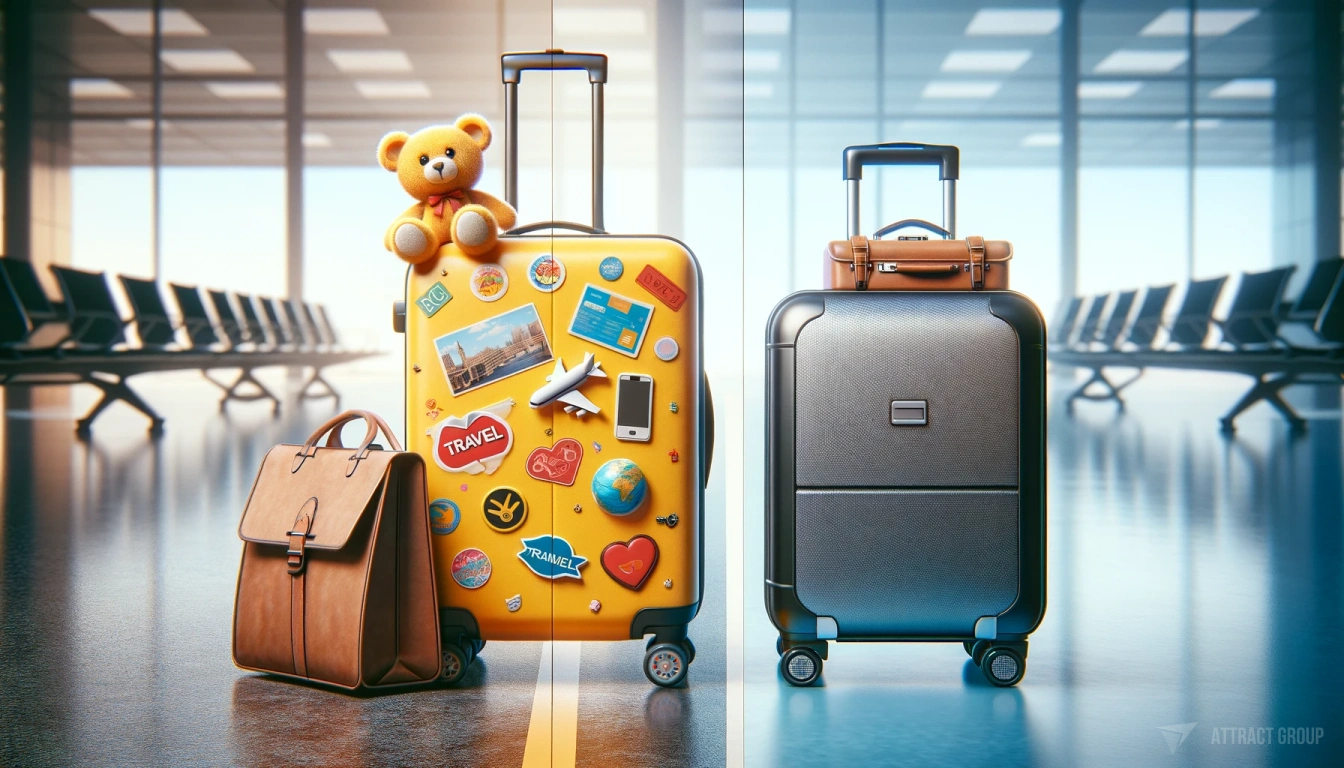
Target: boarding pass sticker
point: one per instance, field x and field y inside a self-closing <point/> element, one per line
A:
<point x="611" y="320"/>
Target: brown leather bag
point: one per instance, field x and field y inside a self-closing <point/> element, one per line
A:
<point x="912" y="263"/>
<point x="337" y="579"/>
<point x="862" y="263"/>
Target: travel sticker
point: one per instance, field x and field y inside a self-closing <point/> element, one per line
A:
<point x="631" y="562"/>
<point x="489" y="282"/>
<point x="551" y="557"/>
<point x="493" y="349"/>
<point x="471" y="568"/>
<point x="558" y="463"/>
<point x="611" y="320"/>
<point x="505" y="509"/>
<point x="619" y="487"/>
<point x="444" y="516"/>
<point x="661" y="285"/>
<point x="611" y="268"/>
<point x="473" y="443"/>
<point x="546" y="273"/>
<point x="433" y="299"/>
<point x="666" y="349"/>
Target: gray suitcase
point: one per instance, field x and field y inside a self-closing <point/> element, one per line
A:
<point x="905" y="474"/>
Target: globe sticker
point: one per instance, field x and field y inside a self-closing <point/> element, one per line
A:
<point x="619" y="487"/>
<point x="546" y="273"/>
<point x="489" y="282"/>
<point x="631" y="562"/>
<point x="473" y="443"/>
<point x="551" y="557"/>
<point x="505" y="509"/>
<point x="471" y="568"/>
<point x="443" y="516"/>
<point x="611" y="268"/>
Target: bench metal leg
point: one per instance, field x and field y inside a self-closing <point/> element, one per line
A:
<point x="113" y="391"/>
<point x="313" y="381"/>
<point x="1111" y="390"/>
<point x="1267" y="389"/>
<point x="231" y="391"/>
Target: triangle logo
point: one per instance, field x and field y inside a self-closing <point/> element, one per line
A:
<point x="1175" y="735"/>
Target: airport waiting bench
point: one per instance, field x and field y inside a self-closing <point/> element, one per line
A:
<point x="83" y="338"/>
<point x="1276" y="342"/>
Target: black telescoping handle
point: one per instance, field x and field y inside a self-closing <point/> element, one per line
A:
<point x="512" y="66"/>
<point x="945" y="156"/>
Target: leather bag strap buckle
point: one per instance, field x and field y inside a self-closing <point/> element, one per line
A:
<point x="976" y="245"/>
<point x="862" y="265"/>
<point x="299" y="535"/>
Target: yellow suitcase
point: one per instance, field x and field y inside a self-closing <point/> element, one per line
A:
<point x="548" y="523"/>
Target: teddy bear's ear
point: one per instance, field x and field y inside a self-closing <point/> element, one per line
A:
<point x="389" y="149"/>
<point x="475" y="126"/>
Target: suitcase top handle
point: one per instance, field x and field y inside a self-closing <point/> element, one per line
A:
<point x="513" y="65"/>
<point x="945" y="156"/>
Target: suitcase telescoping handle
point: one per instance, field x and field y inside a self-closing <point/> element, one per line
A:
<point x="513" y="66"/>
<point x="945" y="156"/>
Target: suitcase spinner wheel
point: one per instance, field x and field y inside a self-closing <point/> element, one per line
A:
<point x="800" y="666"/>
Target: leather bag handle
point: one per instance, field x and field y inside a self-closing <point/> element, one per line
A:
<point x="332" y="430"/>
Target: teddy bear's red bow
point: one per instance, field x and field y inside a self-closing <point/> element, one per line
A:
<point x="457" y="198"/>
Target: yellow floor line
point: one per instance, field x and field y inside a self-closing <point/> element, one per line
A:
<point x="552" y="734"/>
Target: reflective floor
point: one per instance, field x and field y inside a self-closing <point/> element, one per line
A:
<point x="119" y="565"/>
<point x="1192" y="580"/>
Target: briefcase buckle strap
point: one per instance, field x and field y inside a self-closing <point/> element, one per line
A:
<point x="976" y="245"/>
<point x="862" y="265"/>
<point x="299" y="536"/>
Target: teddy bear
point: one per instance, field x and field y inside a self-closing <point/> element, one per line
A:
<point x="439" y="166"/>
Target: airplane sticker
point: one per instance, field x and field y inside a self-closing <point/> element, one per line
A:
<point x="563" y="386"/>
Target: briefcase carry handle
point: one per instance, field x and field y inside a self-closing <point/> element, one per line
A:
<point x="513" y="65"/>
<point x="332" y="430"/>
<point x="945" y="156"/>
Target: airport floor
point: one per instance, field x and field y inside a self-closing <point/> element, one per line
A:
<point x="1193" y="579"/>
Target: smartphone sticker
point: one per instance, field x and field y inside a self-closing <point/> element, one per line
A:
<point x="611" y="320"/>
<point x="551" y="557"/>
<point x="630" y="563"/>
<point x="489" y="282"/>
<point x="558" y="463"/>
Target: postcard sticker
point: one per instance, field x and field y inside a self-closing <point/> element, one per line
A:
<point x="489" y="282"/>
<point x="474" y="443"/>
<point x="493" y="349"/>
<point x="434" y="299"/>
<point x="546" y="273"/>
<point x="611" y="320"/>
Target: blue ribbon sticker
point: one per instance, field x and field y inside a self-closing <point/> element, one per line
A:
<point x="551" y="557"/>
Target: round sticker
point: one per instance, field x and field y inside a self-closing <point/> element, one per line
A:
<point x="611" y="268"/>
<point x="666" y="348"/>
<point x="471" y="568"/>
<point x="489" y="282"/>
<point x="444" y="516"/>
<point x="505" y="509"/>
<point x="546" y="273"/>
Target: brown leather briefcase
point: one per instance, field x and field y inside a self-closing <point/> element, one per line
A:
<point x="912" y="263"/>
<point x="337" y="579"/>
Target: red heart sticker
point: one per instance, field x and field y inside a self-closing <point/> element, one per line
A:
<point x="477" y="446"/>
<point x="631" y="562"/>
<point x="557" y="464"/>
